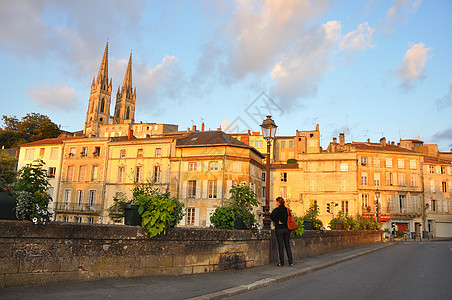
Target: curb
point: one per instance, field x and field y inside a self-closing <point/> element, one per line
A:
<point x="278" y="279"/>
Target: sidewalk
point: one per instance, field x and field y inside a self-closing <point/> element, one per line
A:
<point x="214" y="285"/>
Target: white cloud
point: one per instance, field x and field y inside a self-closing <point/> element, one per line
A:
<point x="58" y="98"/>
<point x="398" y="11"/>
<point x="445" y="101"/>
<point x="63" y="30"/>
<point x="298" y="72"/>
<point x="163" y="82"/>
<point x="412" y="68"/>
<point x="359" y="39"/>
<point x="277" y="37"/>
<point x="256" y="34"/>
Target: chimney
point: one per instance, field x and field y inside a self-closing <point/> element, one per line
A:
<point x="188" y="129"/>
<point x="392" y="143"/>
<point x="334" y="140"/>
<point x="368" y="140"/>
<point x="202" y="126"/>
<point x="317" y="127"/>
<point x="383" y="141"/>
<point x="341" y="139"/>
<point x="130" y="134"/>
<point x="194" y="128"/>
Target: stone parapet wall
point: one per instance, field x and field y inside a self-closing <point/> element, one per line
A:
<point x="57" y="252"/>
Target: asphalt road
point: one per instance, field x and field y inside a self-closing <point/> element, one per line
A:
<point x="409" y="270"/>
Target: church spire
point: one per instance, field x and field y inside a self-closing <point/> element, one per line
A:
<point x="125" y="99"/>
<point x="127" y="85"/>
<point x="103" y="70"/>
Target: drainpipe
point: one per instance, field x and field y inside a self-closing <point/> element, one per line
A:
<point x="223" y="185"/>
<point x="59" y="180"/>
<point x="104" y="185"/>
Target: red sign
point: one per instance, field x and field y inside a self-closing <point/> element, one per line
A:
<point x="384" y="218"/>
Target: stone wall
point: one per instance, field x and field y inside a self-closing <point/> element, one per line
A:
<point x="58" y="252"/>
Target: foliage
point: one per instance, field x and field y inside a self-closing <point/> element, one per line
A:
<point x="243" y="200"/>
<point x="312" y="214"/>
<point x="116" y="210"/>
<point x="7" y="169"/>
<point x="292" y="161"/>
<point x="300" y="229"/>
<point x="158" y="209"/>
<point x="30" y="190"/>
<point x="32" y="127"/>
<point x="223" y="218"/>
<point x="355" y="223"/>
<point x="399" y="234"/>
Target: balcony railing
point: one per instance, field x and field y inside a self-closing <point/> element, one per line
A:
<point x="405" y="210"/>
<point x="75" y="207"/>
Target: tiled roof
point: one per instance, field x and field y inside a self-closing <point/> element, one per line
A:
<point x="211" y="138"/>
<point x="50" y="141"/>
<point x="380" y="147"/>
<point x="434" y="160"/>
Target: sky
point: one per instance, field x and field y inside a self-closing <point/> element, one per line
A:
<point x="366" y="68"/>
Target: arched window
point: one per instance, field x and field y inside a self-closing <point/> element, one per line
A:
<point x="128" y="113"/>
<point x="102" y="105"/>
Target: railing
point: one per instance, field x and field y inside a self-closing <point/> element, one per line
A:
<point x="405" y="210"/>
<point x="75" y="207"/>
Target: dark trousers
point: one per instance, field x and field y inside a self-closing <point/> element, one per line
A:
<point x="283" y="236"/>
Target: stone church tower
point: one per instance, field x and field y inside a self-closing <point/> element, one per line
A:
<point x="125" y="99"/>
<point x="99" y="100"/>
<point x="98" y="113"/>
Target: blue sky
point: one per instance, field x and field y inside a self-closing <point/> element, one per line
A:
<point x="366" y="68"/>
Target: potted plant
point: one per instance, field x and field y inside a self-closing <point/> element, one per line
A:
<point x="311" y="220"/>
<point x="239" y="214"/>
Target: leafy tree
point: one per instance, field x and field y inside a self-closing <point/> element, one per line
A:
<point x="30" y="190"/>
<point x="32" y="127"/>
<point x="7" y="169"/>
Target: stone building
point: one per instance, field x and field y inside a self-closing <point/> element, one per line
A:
<point x="203" y="169"/>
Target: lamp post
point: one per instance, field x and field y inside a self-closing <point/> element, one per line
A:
<point x="377" y="196"/>
<point x="269" y="132"/>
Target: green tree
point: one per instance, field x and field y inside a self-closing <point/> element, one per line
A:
<point x="7" y="169"/>
<point x="32" y="127"/>
<point x="30" y="190"/>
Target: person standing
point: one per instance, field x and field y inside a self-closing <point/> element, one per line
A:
<point x="279" y="217"/>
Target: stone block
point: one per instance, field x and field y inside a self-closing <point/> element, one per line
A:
<point x="9" y="266"/>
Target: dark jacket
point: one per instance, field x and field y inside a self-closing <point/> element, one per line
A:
<point x="279" y="214"/>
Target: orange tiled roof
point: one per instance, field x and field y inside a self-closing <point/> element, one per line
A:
<point x="380" y="147"/>
<point x="49" y="141"/>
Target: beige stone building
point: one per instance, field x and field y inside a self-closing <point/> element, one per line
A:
<point x="205" y="166"/>
<point x="81" y="189"/>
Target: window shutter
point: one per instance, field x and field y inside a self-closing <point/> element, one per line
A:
<point x="196" y="216"/>
<point x="228" y="188"/>
<point x="182" y="222"/>
<point x="198" y="189"/>
<point x="184" y="191"/>
<point x="205" y="187"/>
<point x="199" y="166"/>
<point x="210" y="212"/>
<point x="220" y="189"/>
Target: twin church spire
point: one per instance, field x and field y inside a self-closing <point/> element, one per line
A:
<point x="100" y="98"/>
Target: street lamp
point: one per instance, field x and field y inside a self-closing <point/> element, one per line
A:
<point x="377" y="196"/>
<point x="269" y="133"/>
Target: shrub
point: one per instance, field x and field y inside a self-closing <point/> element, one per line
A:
<point x="158" y="209"/>
<point x="300" y="229"/>
<point x="312" y="214"/>
<point x="30" y="190"/>
<point x="243" y="200"/>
